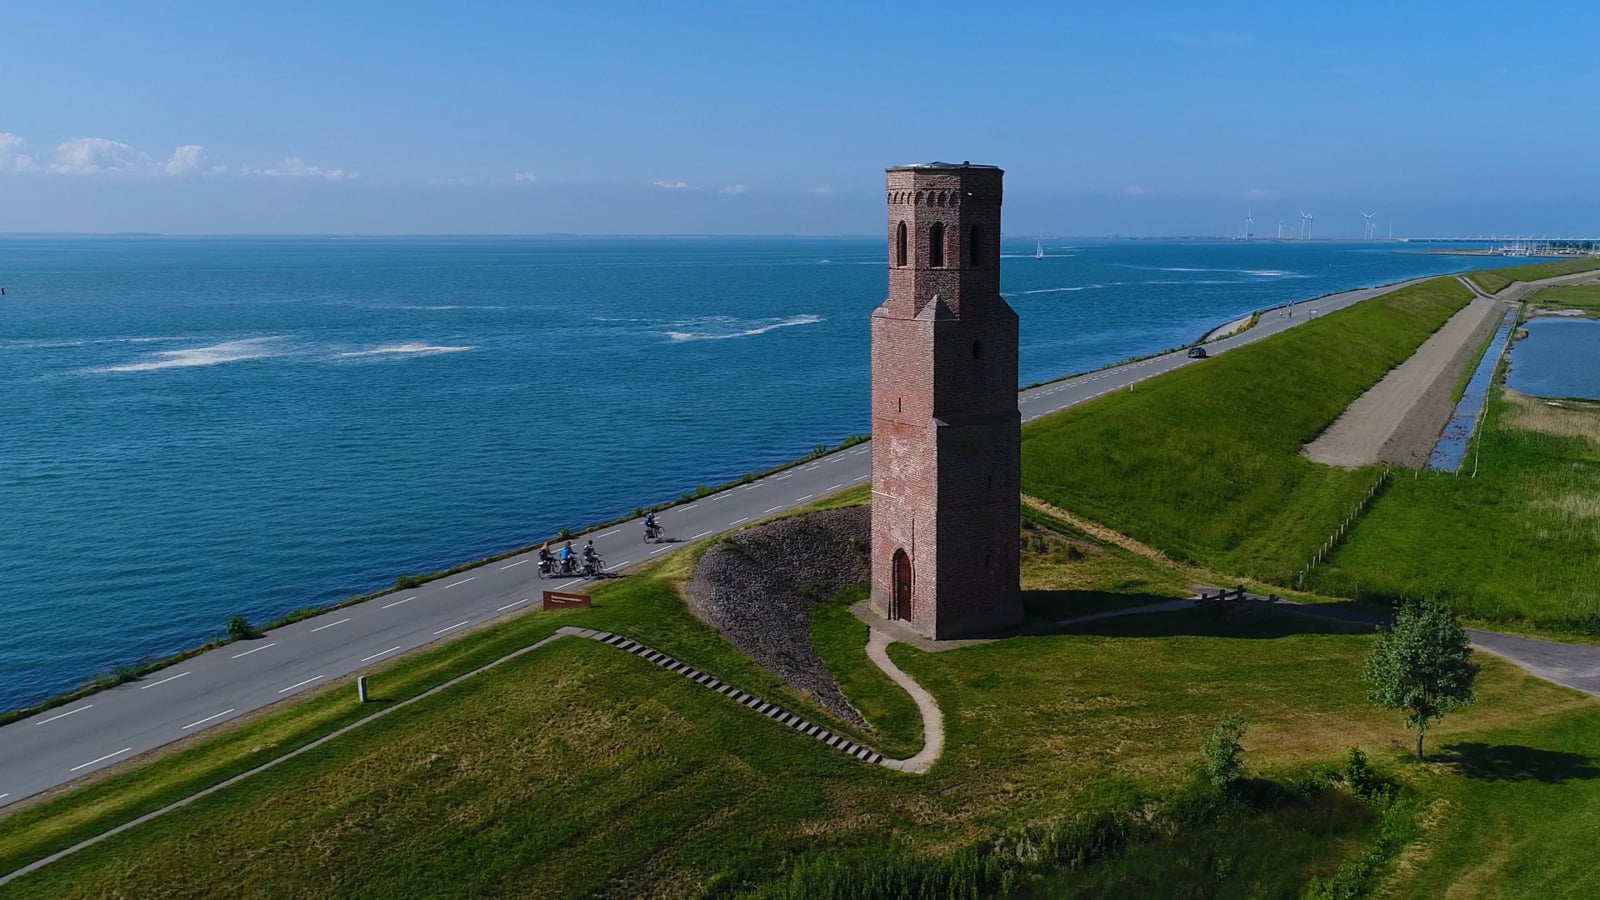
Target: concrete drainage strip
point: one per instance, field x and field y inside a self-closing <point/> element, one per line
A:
<point x="770" y="710"/>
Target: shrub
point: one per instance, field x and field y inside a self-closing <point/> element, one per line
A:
<point x="240" y="629"/>
<point x="404" y="581"/>
<point x="1222" y="751"/>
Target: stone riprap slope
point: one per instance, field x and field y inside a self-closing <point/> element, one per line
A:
<point x="757" y="587"/>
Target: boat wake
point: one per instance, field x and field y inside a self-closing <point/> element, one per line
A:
<point x="412" y="349"/>
<point x="213" y="355"/>
<point x="768" y="325"/>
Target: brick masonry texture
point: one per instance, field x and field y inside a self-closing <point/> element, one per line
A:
<point x="758" y="588"/>
<point x="946" y="451"/>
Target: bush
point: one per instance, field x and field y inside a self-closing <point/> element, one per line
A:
<point x="404" y="581"/>
<point x="1222" y="752"/>
<point x="1367" y="786"/>
<point x="240" y="629"/>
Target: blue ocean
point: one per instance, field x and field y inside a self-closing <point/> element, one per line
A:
<point x="192" y="428"/>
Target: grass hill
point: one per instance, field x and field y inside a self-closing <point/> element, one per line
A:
<point x="1205" y="464"/>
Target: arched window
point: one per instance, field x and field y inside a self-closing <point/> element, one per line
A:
<point x="900" y="246"/>
<point x="974" y="254"/>
<point x="936" y="246"/>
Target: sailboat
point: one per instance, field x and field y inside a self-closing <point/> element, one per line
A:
<point x="1038" y="252"/>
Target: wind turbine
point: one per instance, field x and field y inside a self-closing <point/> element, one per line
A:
<point x="1247" y="223"/>
<point x="1280" y="229"/>
<point x="1369" y="229"/>
<point x="1305" y="224"/>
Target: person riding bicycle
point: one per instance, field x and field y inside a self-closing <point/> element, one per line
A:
<point x="544" y="555"/>
<point x="651" y="525"/>
<point x="589" y="553"/>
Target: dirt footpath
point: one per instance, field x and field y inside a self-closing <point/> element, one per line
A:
<point x="1399" y="418"/>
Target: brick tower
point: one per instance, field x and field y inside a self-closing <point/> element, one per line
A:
<point x="946" y="434"/>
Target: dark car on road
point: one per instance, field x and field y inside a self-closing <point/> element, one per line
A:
<point x="1197" y="353"/>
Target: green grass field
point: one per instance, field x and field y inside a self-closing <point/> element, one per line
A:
<point x="1517" y="543"/>
<point x="1205" y="464"/>
<point x="1583" y="297"/>
<point x="580" y="770"/>
<point x="1493" y="280"/>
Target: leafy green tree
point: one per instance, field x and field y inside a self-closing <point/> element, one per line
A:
<point x="1222" y="751"/>
<point x="1422" y="665"/>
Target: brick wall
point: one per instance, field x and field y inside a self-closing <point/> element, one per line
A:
<point x="946" y="431"/>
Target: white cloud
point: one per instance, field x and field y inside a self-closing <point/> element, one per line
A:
<point x="1261" y="194"/>
<point x="12" y="159"/>
<point x="295" y="167"/>
<point x="186" y="160"/>
<point x="820" y="191"/>
<point x="734" y="190"/>
<point x="524" y="178"/>
<point x="95" y="155"/>
<point x="675" y="185"/>
<point x="103" y="156"/>
<point x="1134" y="190"/>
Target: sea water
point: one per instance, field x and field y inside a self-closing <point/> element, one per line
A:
<point x="196" y="428"/>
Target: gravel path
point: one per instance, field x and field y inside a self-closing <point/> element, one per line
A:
<point x="1398" y="419"/>
<point x="757" y="587"/>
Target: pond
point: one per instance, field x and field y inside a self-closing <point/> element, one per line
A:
<point x="1560" y="357"/>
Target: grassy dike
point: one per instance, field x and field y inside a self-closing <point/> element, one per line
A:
<point x="1494" y="280"/>
<point x="1515" y="544"/>
<point x="1070" y="770"/>
<point x="1204" y="463"/>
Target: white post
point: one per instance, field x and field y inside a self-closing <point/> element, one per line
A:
<point x="361" y="687"/>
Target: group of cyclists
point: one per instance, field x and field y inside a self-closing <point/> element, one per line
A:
<point x="587" y="562"/>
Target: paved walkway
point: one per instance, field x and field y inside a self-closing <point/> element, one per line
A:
<point x="932" y="719"/>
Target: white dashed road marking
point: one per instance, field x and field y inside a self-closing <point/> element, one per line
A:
<point x="398" y="602"/>
<point x="376" y="655"/>
<point x="100" y="760"/>
<point x="740" y="521"/>
<point x="206" y="719"/>
<point x="513" y="565"/>
<point x="330" y="624"/>
<point x="699" y="536"/>
<point x="146" y="687"/>
<point x="611" y="532"/>
<point x="70" y="712"/>
<point x="300" y="684"/>
<point x="257" y="650"/>
<point x="451" y="627"/>
<point x="458" y="583"/>
<point x="509" y="605"/>
<point x="773" y="510"/>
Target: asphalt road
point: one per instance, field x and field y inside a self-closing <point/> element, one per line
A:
<point x="63" y="744"/>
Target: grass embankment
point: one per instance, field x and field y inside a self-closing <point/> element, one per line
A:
<point x="1494" y="280"/>
<point x="1584" y="298"/>
<point x="1517" y="543"/>
<point x="581" y="770"/>
<point x="1204" y="463"/>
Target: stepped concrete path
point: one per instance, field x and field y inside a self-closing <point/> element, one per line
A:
<point x="110" y="728"/>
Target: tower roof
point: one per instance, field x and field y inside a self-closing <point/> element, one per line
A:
<point x="940" y="165"/>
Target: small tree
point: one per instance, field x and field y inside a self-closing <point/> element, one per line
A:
<point x="240" y="629"/>
<point x="1222" y="752"/>
<point x="1422" y="665"/>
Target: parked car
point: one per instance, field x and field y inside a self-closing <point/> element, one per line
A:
<point x="1197" y="353"/>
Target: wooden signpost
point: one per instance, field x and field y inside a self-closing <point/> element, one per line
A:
<point x="564" y="600"/>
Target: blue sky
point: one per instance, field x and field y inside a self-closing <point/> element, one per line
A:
<point x="773" y="118"/>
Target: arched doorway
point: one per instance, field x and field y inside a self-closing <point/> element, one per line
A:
<point x="900" y="606"/>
